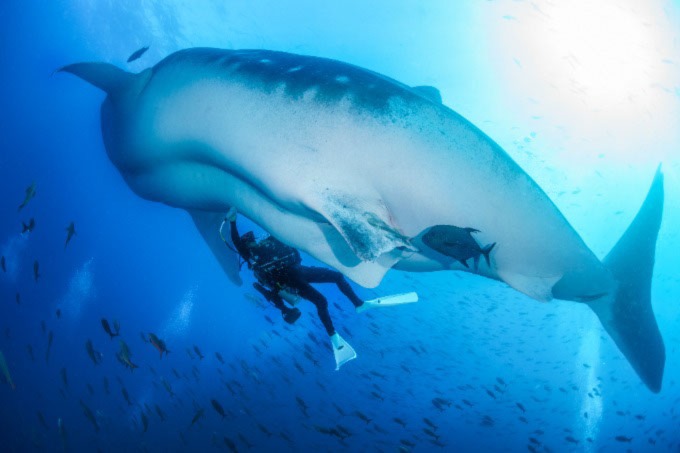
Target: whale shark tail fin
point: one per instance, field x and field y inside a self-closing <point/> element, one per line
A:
<point x="627" y="315"/>
<point x="104" y="76"/>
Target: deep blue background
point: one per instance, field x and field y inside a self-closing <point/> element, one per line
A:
<point x="476" y="343"/>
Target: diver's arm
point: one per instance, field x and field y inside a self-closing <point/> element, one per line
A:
<point x="242" y="249"/>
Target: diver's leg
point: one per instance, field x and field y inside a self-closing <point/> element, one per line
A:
<point x="306" y="291"/>
<point x="325" y="275"/>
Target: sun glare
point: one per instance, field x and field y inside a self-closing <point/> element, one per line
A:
<point x="604" y="70"/>
<point x="606" y="51"/>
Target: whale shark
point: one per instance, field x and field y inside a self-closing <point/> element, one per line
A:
<point x="356" y="169"/>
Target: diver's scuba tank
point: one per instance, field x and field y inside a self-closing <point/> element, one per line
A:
<point x="289" y="296"/>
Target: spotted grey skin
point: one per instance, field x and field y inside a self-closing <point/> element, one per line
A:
<point x="457" y="243"/>
<point x="354" y="168"/>
<point x="269" y="71"/>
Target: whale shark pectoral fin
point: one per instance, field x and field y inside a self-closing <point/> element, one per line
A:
<point x="363" y="225"/>
<point x="208" y="224"/>
<point x="538" y="288"/>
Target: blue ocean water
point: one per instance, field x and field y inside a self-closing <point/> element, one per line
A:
<point x="584" y="96"/>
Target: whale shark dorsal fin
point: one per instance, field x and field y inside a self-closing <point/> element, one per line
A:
<point x="430" y="93"/>
<point x="104" y="76"/>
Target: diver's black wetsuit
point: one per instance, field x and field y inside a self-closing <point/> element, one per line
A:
<point x="298" y="278"/>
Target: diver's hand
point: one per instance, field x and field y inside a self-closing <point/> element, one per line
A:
<point x="231" y="214"/>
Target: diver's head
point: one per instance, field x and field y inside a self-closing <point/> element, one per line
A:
<point x="248" y="239"/>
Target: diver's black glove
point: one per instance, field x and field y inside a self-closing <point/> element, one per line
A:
<point x="269" y="295"/>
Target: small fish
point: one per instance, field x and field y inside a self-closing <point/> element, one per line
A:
<point x="198" y="352"/>
<point x="36" y="268"/>
<point x="160" y="413"/>
<point x="521" y="407"/>
<point x="399" y="421"/>
<point x="623" y="439"/>
<point x="124" y="391"/>
<point x="29" y="348"/>
<point x="3" y="265"/>
<point x="362" y="416"/>
<point x="439" y="403"/>
<point x="145" y="421"/>
<point x="107" y="329"/>
<point x="123" y="356"/>
<point x="28" y="228"/>
<point x="219" y="357"/>
<point x="30" y="193"/>
<point x="218" y="407"/>
<point x="230" y="445"/>
<point x="431" y="433"/>
<point x="571" y="440"/>
<point x="94" y="355"/>
<point x="50" y="339"/>
<point x="197" y="416"/>
<point x="89" y="415"/>
<point x="136" y="54"/>
<point x="303" y="406"/>
<point x="17" y="298"/>
<point x="487" y="421"/>
<point x="42" y="421"/>
<point x="5" y="371"/>
<point x="62" y="433"/>
<point x="168" y="388"/>
<point x="70" y="232"/>
<point x="264" y="429"/>
<point x="64" y="377"/>
<point x="430" y="423"/>
<point x="58" y="313"/>
<point x="339" y="410"/>
<point x="158" y="344"/>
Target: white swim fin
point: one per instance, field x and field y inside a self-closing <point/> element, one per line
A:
<point x="342" y="350"/>
<point x="395" y="299"/>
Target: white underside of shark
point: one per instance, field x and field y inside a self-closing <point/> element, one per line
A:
<point x="353" y="168"/>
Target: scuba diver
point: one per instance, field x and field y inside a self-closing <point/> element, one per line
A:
<point x="281" y="277"/>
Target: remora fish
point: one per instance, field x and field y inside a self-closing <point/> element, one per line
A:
<point x="5" y="371"/>
<point x="354" y="168"/>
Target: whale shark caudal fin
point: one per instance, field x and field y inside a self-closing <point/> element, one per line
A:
<point x="627" y="315"/>
<point x="104" y="76"/>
